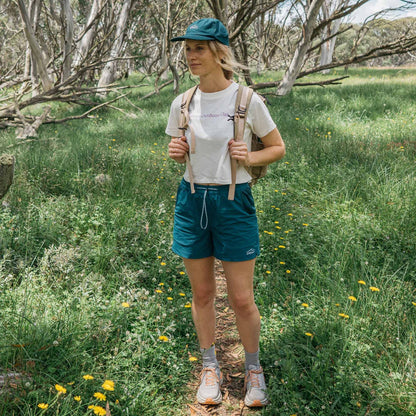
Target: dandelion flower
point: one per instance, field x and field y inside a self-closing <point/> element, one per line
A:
<point x="100" y="396"/>
<point x="169" y="298"/>
<point x="88" y="377"/>
<point x="181" y="273"/>
<point x="163" y="263"/>
<point x="361" y="282"/>
<point x="60" y="389"/>
<point x="77" y="398"/>
<point x="108" y="385"/>
<point x="414" y="303"/>
<point x="308" y="334"/>
<point x="182" y="294"/>
<point x="158" y="291"/>
<point x="268" y="271"/>
<point x="163" y="338"/>
<point x="374" y="289"/>
<point x="187" y="305"/>
<point x="43" y="406"/>
<point x="352" y="298"/>
<point x="343" y="315"/>
<point x="125" y="305"/>
<point x="98" y="410"/>
<point x="192" y="358"/>
<point x="305" y="305"/>
<point x="288" y="271"/>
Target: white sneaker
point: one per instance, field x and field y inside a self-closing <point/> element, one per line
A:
<point x="255" y="385"/>
<point x="209" y="391"/>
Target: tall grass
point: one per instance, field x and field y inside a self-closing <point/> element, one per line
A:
<point x="89" y="285"/>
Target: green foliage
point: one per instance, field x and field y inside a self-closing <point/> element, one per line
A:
<point x="89" y="286"/>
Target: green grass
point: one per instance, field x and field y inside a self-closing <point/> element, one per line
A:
<point x="337" y="210"/>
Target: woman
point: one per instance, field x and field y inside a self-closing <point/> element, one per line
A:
<point x="207" y="224"/>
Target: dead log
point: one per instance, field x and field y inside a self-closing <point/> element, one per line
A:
<point x="6" y="173"/>
<point x="31" y="129"/>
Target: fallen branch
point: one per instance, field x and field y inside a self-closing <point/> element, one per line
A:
<point x="274" y="84"/>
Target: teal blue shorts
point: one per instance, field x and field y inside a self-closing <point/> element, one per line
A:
<point x="208" y="224"/>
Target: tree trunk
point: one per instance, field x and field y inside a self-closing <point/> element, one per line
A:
<point x="86" y="40"/>
<point x="300" y="53"/>
<point x="108" y="75"/>
<point x="68" y="21"/>
<point x="329" y="32"/>
<point x="6" y="173"/>
<point x="37" y="57"/>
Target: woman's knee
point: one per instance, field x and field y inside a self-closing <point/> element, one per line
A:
<point x="243" y="303"/>
<point x="203" y="296"/>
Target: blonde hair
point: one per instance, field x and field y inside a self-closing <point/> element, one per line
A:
<point x="225" y="58"/>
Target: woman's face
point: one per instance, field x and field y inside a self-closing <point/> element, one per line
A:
<point x="201" y="60"/>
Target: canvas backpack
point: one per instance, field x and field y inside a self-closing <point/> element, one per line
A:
<point x="242" y="103"/>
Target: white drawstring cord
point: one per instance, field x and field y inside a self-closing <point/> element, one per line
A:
<point x="204" y="212"/>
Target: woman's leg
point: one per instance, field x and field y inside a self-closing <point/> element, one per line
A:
<point x="202" y="278"/>
<point x="239" y="276"/>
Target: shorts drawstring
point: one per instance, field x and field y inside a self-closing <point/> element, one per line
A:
<point x="204" y="212"/>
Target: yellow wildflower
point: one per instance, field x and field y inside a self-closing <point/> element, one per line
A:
<point x="361" y="282"/>
<point x="182" y="294"/>
<point x="308" y="334"/>
<point x="192" y="359"/>
<point x="100" y="396"/>
<point x="158" y="291"/>
<point x="343" y="315"/>
<point x="188" y="305"/>
<point x="169" y="298"/>
<point x="125" y="305"/>
<point x="414" y="303"/>
<point x="163" y="338"/>
<point x="77" y="398"/>
<point x="108" y="385"/>
<point x="60" y="389"/>
<point x="88" y="377"/>
<point x="43" y="406"/>
<point x="374" y="289"/>
<point x="352" y="298"/>
<point x="305" y="305"/>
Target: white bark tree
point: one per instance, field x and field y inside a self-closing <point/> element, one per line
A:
<point x="87" y="36"/>
<point x="298" y="59"/>
<point x="36" y="52"/>
<point x="330" y="31"/>
<point x="68" y="36"/>
<point x="108" y="74"/>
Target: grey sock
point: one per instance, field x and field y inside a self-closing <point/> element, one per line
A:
<point x="252" y="360"/>
<point x="208" y="357"/>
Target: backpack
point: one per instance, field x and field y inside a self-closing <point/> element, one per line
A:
<point x="242" y="104"/>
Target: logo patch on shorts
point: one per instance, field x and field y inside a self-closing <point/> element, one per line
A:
<point x="250" y="252"/>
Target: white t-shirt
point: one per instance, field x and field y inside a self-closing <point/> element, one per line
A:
<point x="211" y="117"/>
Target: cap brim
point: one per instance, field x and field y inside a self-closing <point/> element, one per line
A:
<point x="192" y="37"/>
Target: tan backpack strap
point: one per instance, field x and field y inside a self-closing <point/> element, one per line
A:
<point x="242" y="102"/>
<point x="184" y="124"/>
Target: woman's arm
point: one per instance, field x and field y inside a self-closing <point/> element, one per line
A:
<point x="274" y="150"/>
<point x="178" y="147"/>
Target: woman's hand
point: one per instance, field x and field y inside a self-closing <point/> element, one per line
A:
<point x="239" y="151"/>
<point x="178" y="147"/>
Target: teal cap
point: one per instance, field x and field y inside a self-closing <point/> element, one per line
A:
<point x="206" y="29"/>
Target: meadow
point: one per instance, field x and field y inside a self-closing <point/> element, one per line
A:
<point x="95" y="308"/>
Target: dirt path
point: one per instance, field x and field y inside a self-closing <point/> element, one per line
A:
<point x="230" y="355"/>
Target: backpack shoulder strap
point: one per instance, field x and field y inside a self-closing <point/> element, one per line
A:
<point x="242" y="103"/>
<point x="183" y="125"/>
